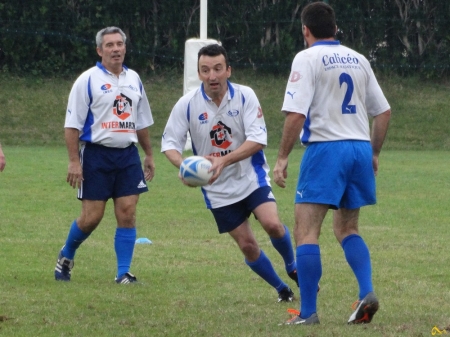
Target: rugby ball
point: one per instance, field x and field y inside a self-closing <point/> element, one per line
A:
<point x="194" y="170"/>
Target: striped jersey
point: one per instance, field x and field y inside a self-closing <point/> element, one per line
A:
<point x="336" y="89"/>
<point x="108" y="109"/>
<point x="217" y="131"/>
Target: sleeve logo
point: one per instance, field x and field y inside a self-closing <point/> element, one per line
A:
<point x="295" y="76"/>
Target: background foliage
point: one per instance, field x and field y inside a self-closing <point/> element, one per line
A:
<point x="32" y="110"/>
<point x="56" y="37"/>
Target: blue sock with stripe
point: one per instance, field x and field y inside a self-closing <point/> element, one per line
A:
<point x="74" y="239"/>
<point x="124" y="242"/>
<point x="309" y="270"/>
<point x="358" y="257"/>
<point x="264" y="268"/>
<point x="284" y="246"/>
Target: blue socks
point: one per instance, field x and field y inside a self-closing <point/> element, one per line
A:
<point x="264" y="268"/>
<point x="358" y="257"/>
<point x="284" y="246"/>
<point x="309" y="270"/>
<point x="74" y="239"/>
<point x="124" y="242"/>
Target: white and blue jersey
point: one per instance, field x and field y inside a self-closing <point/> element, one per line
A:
<point x="336" y="89"/>
<point x="108" y="110"/>
<point x="217" y="131"/>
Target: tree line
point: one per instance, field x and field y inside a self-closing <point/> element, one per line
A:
<point x="57" y="37"/>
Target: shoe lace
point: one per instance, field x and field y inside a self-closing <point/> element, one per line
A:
<point x="355" y="304"/>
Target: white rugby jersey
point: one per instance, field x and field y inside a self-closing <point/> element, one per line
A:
<point x="108" y="109"/>
<point x="217" y="131"/>
<point x="336" y="89"/>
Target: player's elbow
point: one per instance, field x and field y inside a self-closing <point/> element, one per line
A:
<point x="387" y="114"/>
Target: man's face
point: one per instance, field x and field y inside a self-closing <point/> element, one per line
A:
<point x="213" y="72"/>
<point x="112" y="51"/>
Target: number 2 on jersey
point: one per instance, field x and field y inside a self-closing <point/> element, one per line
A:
<point x="346" y="108"/>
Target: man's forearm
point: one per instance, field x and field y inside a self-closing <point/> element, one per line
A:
<point x="379" y="130"/>
<point x="293" y="125"/>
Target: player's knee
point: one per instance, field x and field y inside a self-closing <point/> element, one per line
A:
<point x="274" y="229"/>
<point x="125" y="210"/>
<point x="250" y="250"/>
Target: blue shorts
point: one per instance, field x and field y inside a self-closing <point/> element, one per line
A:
<point x="110" y="172"/>
<point x="339" y="174"/>
<point x="232" y="216"/>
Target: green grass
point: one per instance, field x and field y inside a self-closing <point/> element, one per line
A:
<point x="33" y="110"/>
<point x="194" y="281"/>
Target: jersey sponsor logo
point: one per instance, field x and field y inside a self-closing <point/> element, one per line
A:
<point x="260" y="113"/>
<point x="122" y="106"/>
<point x="295" y="77"/>
<point x="203" y="118"/>
<point x="106" y="88"/>
<point x="220" y="154"/>
<point x="221" y="135"/>
<point x="335" y="58"/>
<point x="141" y="184"/>
<point x="128" y="127"/>
<point x="291" y="94"/>
<point x="132" y="88"/>
<point x="233" y="113"/>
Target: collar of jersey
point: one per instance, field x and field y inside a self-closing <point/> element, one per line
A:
<point x="326" y="43"/>
<point x="230" y="91"/>
<point x="106" y="70"/>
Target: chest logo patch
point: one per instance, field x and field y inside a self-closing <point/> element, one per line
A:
<point x="203" y="118"/>
<point x="233" y="113"/>
<point x="221" y="135"/>
<point x="122" y="107"/>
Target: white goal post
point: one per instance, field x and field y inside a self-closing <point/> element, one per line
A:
<point x="191" y="48"/>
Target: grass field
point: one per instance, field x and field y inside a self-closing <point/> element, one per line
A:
<point x="194" y="281"/>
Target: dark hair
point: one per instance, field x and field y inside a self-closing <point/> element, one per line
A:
<point x="214" y="50"/>
<point x="320" y="19"/>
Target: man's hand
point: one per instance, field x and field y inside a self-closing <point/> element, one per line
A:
<point x="149" y="168"/>
<point x="184" y="181"/>
<point x="74" y="174"/>
<point x="280" y="172"/>
<point x="218" y="164"/>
